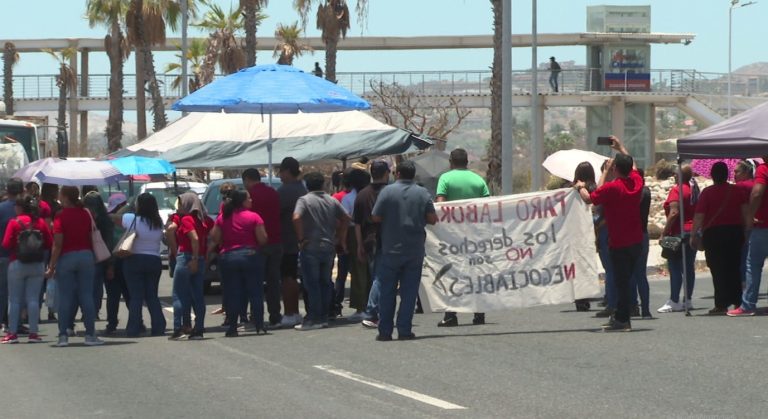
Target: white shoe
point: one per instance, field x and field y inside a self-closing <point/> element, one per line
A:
<point x="291" y="320"/>
<point x="63" y="342"/>
<point x="93" y="341"/>
<point x="670" y="306"/>
<point x="357" y="317"/>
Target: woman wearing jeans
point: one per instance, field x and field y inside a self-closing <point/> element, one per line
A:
<point x="95" y="205"/>
<point x="27" y="266"/>
<point x="72" y="265"/>
<point x="187" y="237"/>
<point x="143" y="267"/>
<point x="672" y="209"/>
<point x="239" y="233"/>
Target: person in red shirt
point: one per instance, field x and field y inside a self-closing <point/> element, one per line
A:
<point x="672" y="228"/>
<point x="187" y="237"/>
<point x="266" y="202"/>
<point x="620" y="199"/>
<point x="744" y="175"/>
<point x="756" y="224"/>
<point x="718" y="227"/>
<point x="72" y="263"/>
<point x="26" y="270"/>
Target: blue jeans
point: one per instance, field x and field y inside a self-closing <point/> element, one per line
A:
<point x="372" y="310"/>
<point x="188" y="293"/>
<point x="756" y="254"/>
<point x="342" y="270"/>
<point x="676" y="272"/>
<point x="142" y="276"/>
<point x="24" y="283"/>
<point x="99" y="274"/>
<point x="610" y="281"/>
<point x="116" y="287"/>
<point x="553" y="80"/>
<point x="4" y="261"/>
<point x="242" y="274"/>
<point x="744" y="252"/>
<point x="639" y="284"/>
<point x="316" y="267"/>
<point x="74" y="285"/>
<point x="405" y="270"/>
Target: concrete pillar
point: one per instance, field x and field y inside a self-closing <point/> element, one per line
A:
<point x="74" y="149"/>
<point x="618" y="117"/>
<point x="650" y="156"/>
<point x="84" y="82"/>
<point x="538" y="176"/>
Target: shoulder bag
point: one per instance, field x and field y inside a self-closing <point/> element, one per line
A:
<point x="124" y="247"/>
<point x="100" y="249"/>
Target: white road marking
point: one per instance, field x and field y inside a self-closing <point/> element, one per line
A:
<point x="391" y="388"/>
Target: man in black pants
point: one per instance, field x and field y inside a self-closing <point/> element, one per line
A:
<point x="620" y="199"/>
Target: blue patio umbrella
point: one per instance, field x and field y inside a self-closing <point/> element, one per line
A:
<point x="137" y="165"/>
<point x="271" y="89"/>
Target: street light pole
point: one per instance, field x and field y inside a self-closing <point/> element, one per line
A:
<point x="734" y="5"/>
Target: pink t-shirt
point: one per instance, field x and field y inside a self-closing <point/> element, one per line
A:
<point x="238" y="230"/>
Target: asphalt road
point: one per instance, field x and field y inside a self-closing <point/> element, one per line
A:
<point x="542" y="362"/>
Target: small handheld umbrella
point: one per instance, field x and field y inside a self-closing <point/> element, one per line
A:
<point x="79" y="173"/>
<point x="28" y="172"/>
<point x="271" y="89"/>
<point x="137" y="165"/>
<point x="563" y="163"/>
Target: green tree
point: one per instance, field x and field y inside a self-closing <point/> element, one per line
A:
<point x="195" y="54"/>
<point x="10" y="58"/>
<point x="223" y="47"/>
<point x="253" y="17"/>
<point x="289" y="43"/>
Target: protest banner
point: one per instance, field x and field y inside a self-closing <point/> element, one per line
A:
<point x="510" y="252"/>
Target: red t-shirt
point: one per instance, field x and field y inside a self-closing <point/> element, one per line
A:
<point x="189" y="223"/>
<point x="688" y="209"/>
<point x="238" y="230"/>
<point x="75" y="225"/>
<point x="721" y="205"/>
<point x="266" y="203"/>
<point x="620" y="199"/>
<point x="761" y="177"/>
<point x="340" y="195"/>
<point x="746" y="186"/>
<point x="45" y="210"/>
<point x="14" y="228"/>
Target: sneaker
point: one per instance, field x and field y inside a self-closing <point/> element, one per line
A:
<point x="371" y="324"/>
<point x="383" y="338"/>
<point x="449" y="322"/>
<point x="34" y="338"/>
<point x="248" y="328"/>
<point x="10" y="338"/>
<point x="71" y="332"/>
<point x="231" y="334"/>
<point x="605" y="313"/>
<point x="291" y="320"/>
<point x="670" y="306"/>
<point x="219" y="310"/>
<point x="647" y="316"/>
<point x="3" y="328"/>
<point x="22" y="330"/>
<point x="308" y="325"/>
<point x="410" y="336"/>
<point x="63" y="341"/>
<point x="92" y="340"/>
<point x="325" y="325"/>
<point x="616" y="326"/>
<point x="740" y="312"/>
<point x="357" y="317"/>
<point x="176" y="335"/>
<point x="688" y="305"/>
<point x="196" y="336"/>
<point x="275" y="325"/>
<point x="110" y="330"/>
<point x="718" y="311"/>
<point x="635" y="312"/>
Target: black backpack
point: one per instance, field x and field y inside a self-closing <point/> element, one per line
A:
<point x="30" y="244"/>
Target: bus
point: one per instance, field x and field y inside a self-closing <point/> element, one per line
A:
<point x="22" y="132"/>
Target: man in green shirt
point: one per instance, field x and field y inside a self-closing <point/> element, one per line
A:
<point x="460" y="183"/>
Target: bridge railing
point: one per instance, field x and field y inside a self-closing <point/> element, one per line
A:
<point x="457" y="83"/>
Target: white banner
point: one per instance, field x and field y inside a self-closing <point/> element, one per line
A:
<point x="509" y="252"/>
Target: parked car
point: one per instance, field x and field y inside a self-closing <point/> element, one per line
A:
<point x="212" y="202"/>
<point x="166" y="194"/>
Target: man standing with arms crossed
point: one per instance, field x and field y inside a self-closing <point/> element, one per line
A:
<point x="460" y="183"/>
<point x="403" y="209"/>
<point x="620" y="199"/>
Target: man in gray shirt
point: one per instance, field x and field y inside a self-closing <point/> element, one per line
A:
<point x="320" y="223"/>
<point x="290" y="191"/>
<point x="403" y="209"/>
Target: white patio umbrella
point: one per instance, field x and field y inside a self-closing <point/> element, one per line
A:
<point x="28" y="173"/>
<point x="563" y="163"/>
<point x="77" y="173"/>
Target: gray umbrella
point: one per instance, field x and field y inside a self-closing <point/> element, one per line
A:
<point x="429" y="167"/>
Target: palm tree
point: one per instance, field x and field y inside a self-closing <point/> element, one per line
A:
<point x="223" y="47"/>
<point x="333" y="21"/>
<point x="10" y="58"/>
<point x="146" y="24"/>
<point x="289" y="44"/>
<point x="66" y="81"/>
<point x="251" y="13"/>
<point x="195" y="53"/>
<point x="493" y="174"/>
<point x="111" y="13"/>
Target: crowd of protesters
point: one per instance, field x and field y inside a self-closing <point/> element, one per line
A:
<point x="265" y="240"/>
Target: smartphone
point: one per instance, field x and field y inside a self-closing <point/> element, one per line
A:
<point x="604" y="141"/>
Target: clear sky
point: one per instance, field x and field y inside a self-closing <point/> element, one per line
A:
<point x="708" y="19"/>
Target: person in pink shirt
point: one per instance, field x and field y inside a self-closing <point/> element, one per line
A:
<point x="27" y="238"/>
<point x="239" y="234"/>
